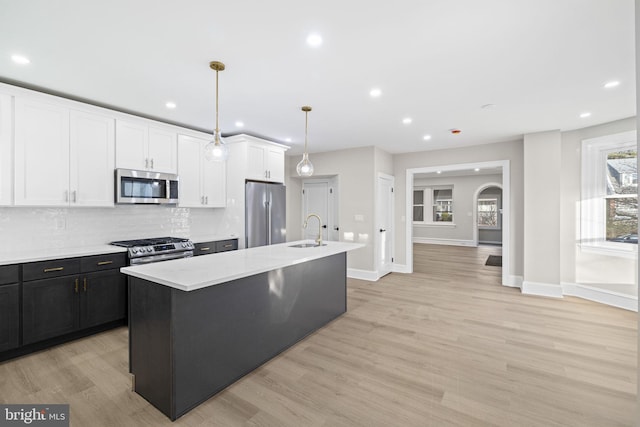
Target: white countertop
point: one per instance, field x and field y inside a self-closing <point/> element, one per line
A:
<point x="188" y="274"/>
<point x="17" y="257"/>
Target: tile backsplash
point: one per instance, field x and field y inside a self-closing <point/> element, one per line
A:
<point x="23" y="228"/>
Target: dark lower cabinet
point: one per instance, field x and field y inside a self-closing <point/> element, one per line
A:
<point x="9" y="316"/>
<point x="103" y="298"/>
<point x="215" y="246"/>
<point x="49" y="308"/>
<point x="48" y="302"/>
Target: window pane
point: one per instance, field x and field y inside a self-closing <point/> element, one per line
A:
<point x="442" y="194"/>
<point x="443" y="211"/>
<point x="488" y="213"/>
<point x="621" y="203"/>
<point x="418" y="213"/>
<point x="622" y="172"/>
<point x="418" y="197"/>
<point x="622" y="219"/>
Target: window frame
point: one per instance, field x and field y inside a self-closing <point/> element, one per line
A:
<point x="429" y="205"/>
<point x="594" y="174"/>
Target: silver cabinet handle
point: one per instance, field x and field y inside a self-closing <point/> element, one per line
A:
<point x="66" y="195"/>
<point x="74" y="195"/>
<point x="205" y="249"/>
<point x="202" y="200"/>
<point x="151" y="163"/>
<point x="206" y="200"/>
<point x="146" y="163"/>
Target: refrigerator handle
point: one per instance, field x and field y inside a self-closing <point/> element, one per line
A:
<point x="268" y="208"/>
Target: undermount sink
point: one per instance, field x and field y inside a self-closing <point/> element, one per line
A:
<point x="307" y="245"/>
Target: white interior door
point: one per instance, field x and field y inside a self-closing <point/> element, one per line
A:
<point x="315" y="199"/>
<point x="385" y="224"/>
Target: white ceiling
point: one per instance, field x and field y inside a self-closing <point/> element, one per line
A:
<point x="541" y="62"/>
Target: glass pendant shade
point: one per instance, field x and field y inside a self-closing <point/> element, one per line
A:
<point x="216" y="150"/>
<point x="305" y="167"/>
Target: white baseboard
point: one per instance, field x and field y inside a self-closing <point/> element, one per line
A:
<point x="541" y="289"/>
<point x="355" y="273"/>
<point x="400" y="268"/>
<point x="490" y="242"/>
<point x="514" y="282"/>
<point x="603" y="296"/>
<point x="449" y="242"/>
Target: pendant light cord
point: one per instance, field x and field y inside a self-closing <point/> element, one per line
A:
<point x="306" y="126"/>
<point x="217" y="128"/>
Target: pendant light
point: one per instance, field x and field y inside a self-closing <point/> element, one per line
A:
<point x="305" y="167"/>
<point x="216" y="150"/>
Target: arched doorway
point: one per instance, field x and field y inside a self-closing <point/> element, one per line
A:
<point x="487" y="214"/>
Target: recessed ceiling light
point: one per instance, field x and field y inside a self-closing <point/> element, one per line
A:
<point x="488" y="106"/>
<point x="170" y="105"/>
<point x="613" y="83"/>
<point x="239" y="124"/>
<point x="375" y="92"/>
<point x="407" y="120"/>
<point x="439" y="172"/>
<point x="314" y="40"/>
<point x="287" y="140"/>
<point x="426" y="137"/>
<point x="477" y="169"/>
<point x="585" y="115"/>
<point x="19" y="59"/>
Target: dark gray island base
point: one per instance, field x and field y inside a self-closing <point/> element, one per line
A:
<point x="186" y="346"/>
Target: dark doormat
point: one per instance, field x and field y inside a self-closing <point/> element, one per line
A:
<point x="494" y="261"/>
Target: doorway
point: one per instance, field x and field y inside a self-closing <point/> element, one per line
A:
<point x="320" y="196"/>
<point x="487" y="217"/>
<point x="384" y="216"/>
<point x="503" y="166"/>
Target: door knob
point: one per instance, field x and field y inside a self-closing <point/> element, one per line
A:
<point x="382" y="230"/>
<point x="324" y="226"/>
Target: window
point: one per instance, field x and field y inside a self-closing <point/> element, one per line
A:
<point x="488" y="213"/>
<point x="609" y="219"/>
<point x="433" y="205"/>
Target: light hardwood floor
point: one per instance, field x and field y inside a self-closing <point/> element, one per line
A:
<point x="445" y="346"/>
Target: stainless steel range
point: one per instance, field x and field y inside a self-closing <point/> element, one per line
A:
<point x="144" y="251"/>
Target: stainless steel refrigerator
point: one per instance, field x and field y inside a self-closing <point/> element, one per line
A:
<point x="265" y="220"/>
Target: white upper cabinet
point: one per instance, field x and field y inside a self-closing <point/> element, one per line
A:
<point x="62" y="157"/>
<point x="265" y="162"/>
<point x="92" y="159"/>
<point x="41" y="154"/>
<point x="141" y="147"/>
<point x="202" y="182"/>
<point x="6" y="149"/>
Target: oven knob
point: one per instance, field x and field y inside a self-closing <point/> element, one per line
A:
<point x="149" y="249"/>
<point x="134" y="250"/>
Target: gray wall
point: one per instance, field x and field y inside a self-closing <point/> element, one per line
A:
<point x="356" y="171"/>
<point x="464" y="189"/>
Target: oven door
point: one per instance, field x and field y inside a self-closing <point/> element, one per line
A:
<point x="145" y="187"/>
<point x="162" y="257"/>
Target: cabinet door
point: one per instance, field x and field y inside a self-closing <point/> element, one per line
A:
<point x="214" y="183"/>
<point x="49" y="308"/>
<point x="189" y="171"/>
<point x="9" y="316"/>
<point x="163" y="150"/>
<point x="275" y="165"/>
<point x="256" y="162"/>
<point x="92" y="159"/>
<point x="41" y="154"/>
<point x="6" y="150"/>
<point x="102" y="298"/>
<point x="131" y="145"/>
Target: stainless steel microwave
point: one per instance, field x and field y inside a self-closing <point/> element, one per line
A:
<point x="145" y="187"/>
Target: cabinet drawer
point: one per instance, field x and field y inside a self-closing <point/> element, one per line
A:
<point x="227" y="245"/>
<point x="204" y="248"/>
<point x="53" y="268"/>
<point x="103" y="262"/>
<point x="9" y="274"/>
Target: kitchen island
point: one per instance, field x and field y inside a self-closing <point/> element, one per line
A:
<point x="197" y="325"/>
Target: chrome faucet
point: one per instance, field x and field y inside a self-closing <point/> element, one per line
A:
<point x="319" y="238"/>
